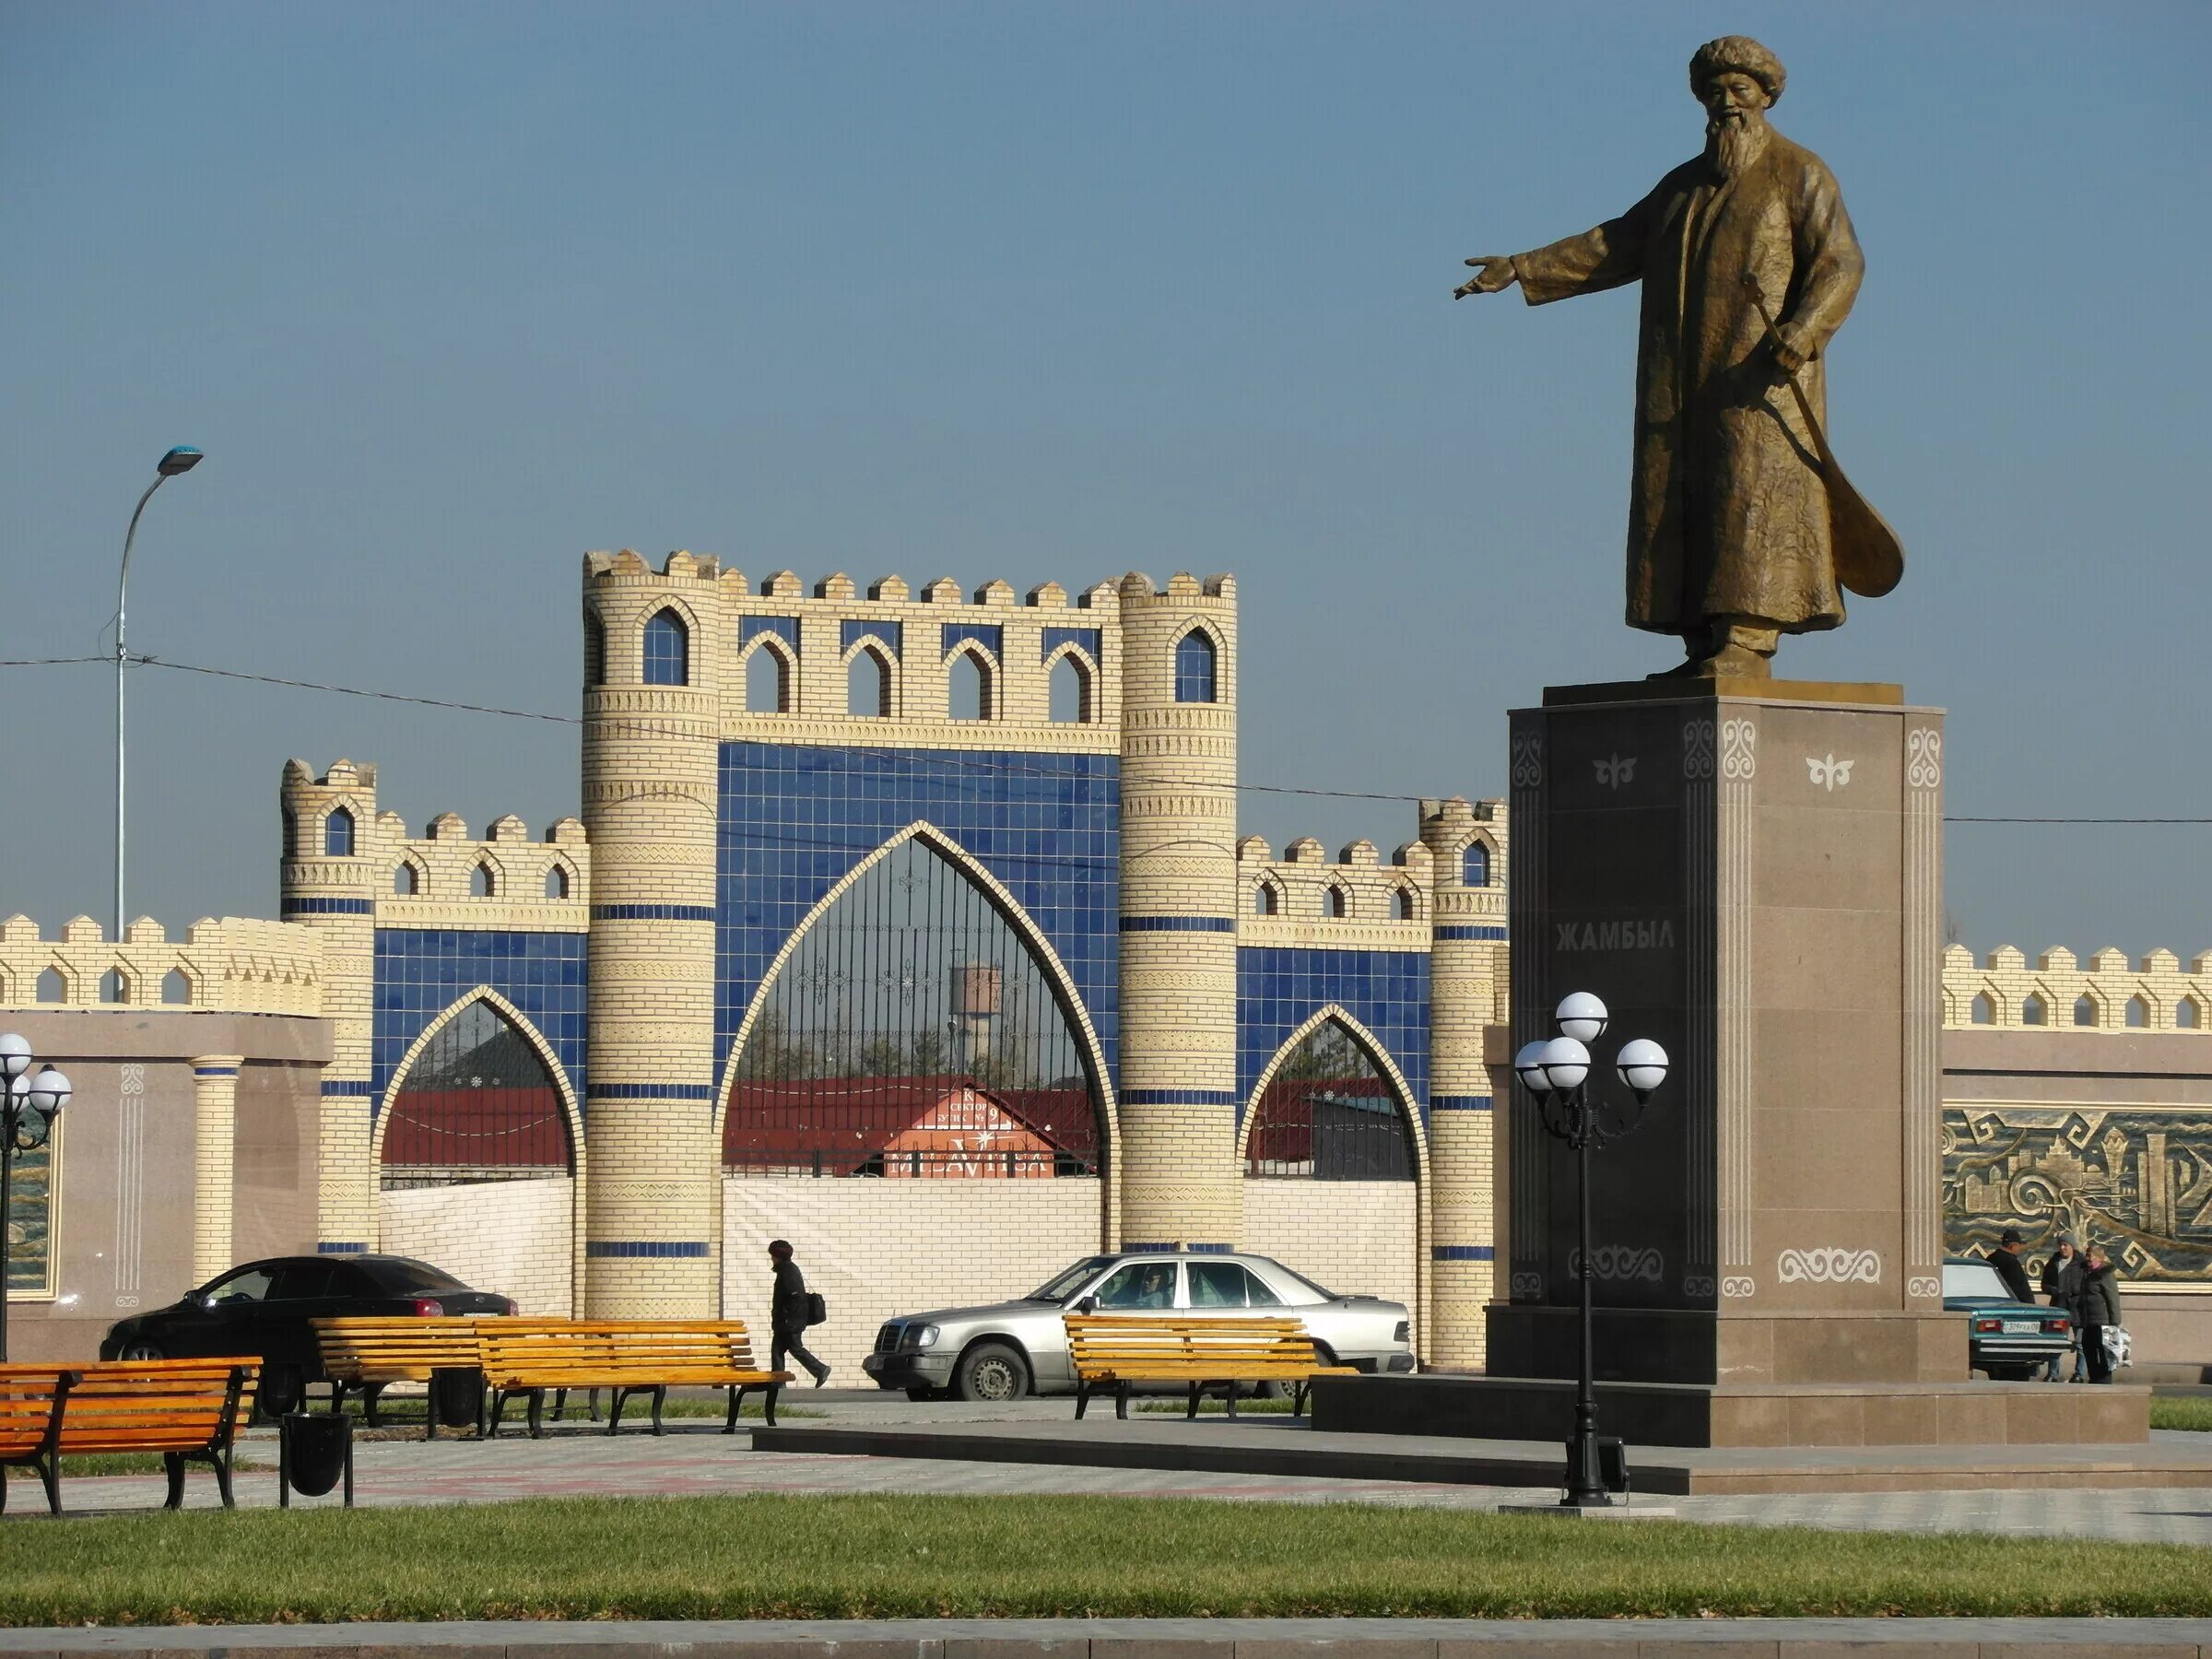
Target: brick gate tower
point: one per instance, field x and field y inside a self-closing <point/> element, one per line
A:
<point x="651" y="748"/>
<point x="1177" y="1096"/>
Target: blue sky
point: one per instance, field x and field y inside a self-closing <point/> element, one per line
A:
<point x="450" y="295"/>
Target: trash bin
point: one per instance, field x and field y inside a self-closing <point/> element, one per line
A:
<point x="457" y="1397"/>
<point x="314" y="1450"/>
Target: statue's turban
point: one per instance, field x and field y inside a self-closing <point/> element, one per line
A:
<point x="1740" y="55"/>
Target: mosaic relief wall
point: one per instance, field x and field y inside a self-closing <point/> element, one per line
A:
<point x="2137" y="1179"/>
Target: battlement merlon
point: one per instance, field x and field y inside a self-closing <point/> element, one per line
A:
<point x="2004" y="990"/>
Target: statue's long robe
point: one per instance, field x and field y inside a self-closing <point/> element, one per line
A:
<point x="1728" y="515"/>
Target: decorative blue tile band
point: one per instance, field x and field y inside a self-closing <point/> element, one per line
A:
<point x="1460" y="930"/>
<point x="1178" y="925"/>
<point x="1087" y="638"/>
<point x="348" y="1087"/>
<point x="333" y="1247"/>
<point x="653" y="912"/>
<point x="891" y="633"/>
<point x="1462" y="1253"/>
<point x="649" y="1091"/>
<point x="1460" y="1103"/>
<point x="1179" y="1097"/>
<point x="330" y="907"/>
<point x="990" y="638"/>
<point x="1190" y="1247"/>
<point x="215" y="1071"/>
<point x="604" y="1248"/>
<point x="785" y="629"/>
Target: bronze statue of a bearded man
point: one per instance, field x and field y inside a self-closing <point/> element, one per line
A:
<point x="1730" y="540"/>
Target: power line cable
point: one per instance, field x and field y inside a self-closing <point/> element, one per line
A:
<point x="979" y="760"/>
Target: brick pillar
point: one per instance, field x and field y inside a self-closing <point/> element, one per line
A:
<point x="1178" y="1085"/>
<point x="1466" y="960"/>
<point x="214" y="1122"/>
<point x="651" y="777"/>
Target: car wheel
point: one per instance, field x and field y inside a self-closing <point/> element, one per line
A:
<point x="139" y="1349"/>
<point x="282" y="1387"/>
<point x="991" y="1372"/>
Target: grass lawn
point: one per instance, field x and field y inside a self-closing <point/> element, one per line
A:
<point x="775" y="1556"/>
<point x="121" y="1463"/>
<point x="2184" y="1413"/>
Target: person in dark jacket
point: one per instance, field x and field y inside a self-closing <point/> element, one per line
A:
<point x="787" y="1315"/>
<point x="2006" y="1259"/>
<point x="2100" y="1308"/>
<point x="2061" y="1285"/>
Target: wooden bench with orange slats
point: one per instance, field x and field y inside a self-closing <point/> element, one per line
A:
<point x="1201" y="1351"/>
<point x="188" y="1411"/>
<point x="527" y="1357"/>
<point x="368" y="1355"/>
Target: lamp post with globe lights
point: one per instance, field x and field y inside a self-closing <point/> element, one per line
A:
<point x="29" y="1106"/>
<point x="1557" y="1073"/>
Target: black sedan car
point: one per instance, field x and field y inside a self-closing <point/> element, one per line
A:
<point x="2010" y="1340"/>
<point x="263" y="1308"/>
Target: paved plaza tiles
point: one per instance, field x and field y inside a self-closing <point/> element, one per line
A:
<point x="694" y="1459"/>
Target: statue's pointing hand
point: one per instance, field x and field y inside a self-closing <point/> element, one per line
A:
<point x="1494" y="272"/>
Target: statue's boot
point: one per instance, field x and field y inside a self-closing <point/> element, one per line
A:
<point x="1733" y="662"/>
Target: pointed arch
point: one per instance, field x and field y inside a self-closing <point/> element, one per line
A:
<point x="1197" y="665"/>
<point x="1081" y="677"/>
<point x="572" y="1118"/>
<point x="409" y="878"/>
<point x="1371" y="1049"/>
<point x="595" y="650"/>
<point x="762" y="696"/>
<point x="666" y="647"/>
<point x="1475" y="862"/>
<point x="1057" y="979"/>
<point x="53" y="985"/>
<point x="971" y="678"/>
<point x="884" y="693"/>
<point x="337" y="833"/>
<point x="486" y="880"/>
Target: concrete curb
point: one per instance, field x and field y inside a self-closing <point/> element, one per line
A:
<point x="1160" y="1639"/>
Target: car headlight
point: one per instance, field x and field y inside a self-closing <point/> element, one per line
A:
<point x="919" y="1336"/>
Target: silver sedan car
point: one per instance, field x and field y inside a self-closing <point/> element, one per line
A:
<point x="1020" y="1348"/>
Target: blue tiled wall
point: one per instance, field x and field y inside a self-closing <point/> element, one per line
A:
<point x="795" y="819"/>
<point x="422" y="971"/>
<point x="1279" y="988"/>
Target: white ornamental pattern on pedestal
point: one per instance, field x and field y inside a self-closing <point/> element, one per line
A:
<point x="1923" y="757"/>
<point x="1527" y="760"/>
<point x="1698" y="1284"/>
<point x="1828" y="1265"/>
<point x="1738" y="1284"/>
<point x="1527" y="1286"/>
<point x="1740" y="758"/>
<point x="1828" y="772"/>
<point x="1614" y="771"/>
<point x="1923" y="1287"/>
<point x="1697" y="748"/>
<point x="1620" y="1261"/>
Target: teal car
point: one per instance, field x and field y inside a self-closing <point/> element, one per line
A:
<point x="2011" y="1341"/>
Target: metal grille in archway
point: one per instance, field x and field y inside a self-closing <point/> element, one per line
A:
<point x="1329" y="1113"/>
<point x="912" y="1032"/>
<point x="478" y="1103"/>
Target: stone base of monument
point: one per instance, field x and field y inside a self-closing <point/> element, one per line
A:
<point x="1740" y="1415"/>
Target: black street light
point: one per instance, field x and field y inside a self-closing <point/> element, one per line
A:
<point x="1558" y="1074"/>
<point x="27" y="1107"/>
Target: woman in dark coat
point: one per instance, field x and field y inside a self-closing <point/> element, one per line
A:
<point x="2100" y="1308"/>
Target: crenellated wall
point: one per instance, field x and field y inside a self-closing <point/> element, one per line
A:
<point x="235" y="965"/>
<point x="2154" y="995"/>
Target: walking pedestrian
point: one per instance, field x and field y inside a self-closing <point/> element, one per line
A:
<point x="2006" y="1259"/>
<point x="2061" y="1285"/>
<point x="2100" y="1309"/>
<point x="788" y="1310"/>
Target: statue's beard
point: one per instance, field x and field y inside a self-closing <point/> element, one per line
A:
<point x="1731" y="145"/>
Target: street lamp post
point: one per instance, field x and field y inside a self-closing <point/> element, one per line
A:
<point x="27" y="1107"/>
<point x="1557" y="1073"/>
<point x="181" y="459"/>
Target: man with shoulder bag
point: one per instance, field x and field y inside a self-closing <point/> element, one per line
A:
<point x="792" y="1308"/>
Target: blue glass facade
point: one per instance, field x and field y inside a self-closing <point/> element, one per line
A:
<point x="795" y="819"/>
<point x="420" y="972"/>
<point x="1280" y="987"/>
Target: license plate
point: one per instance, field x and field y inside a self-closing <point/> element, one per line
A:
<point x="2023" y="1327"/>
